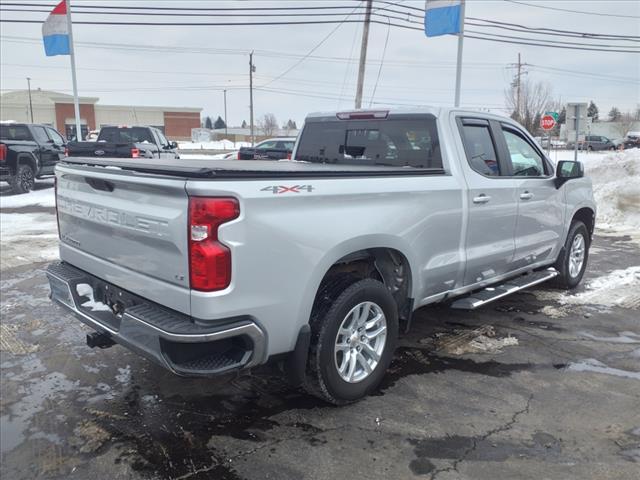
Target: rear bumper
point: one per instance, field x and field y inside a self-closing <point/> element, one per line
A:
<point x="175" y="341"/>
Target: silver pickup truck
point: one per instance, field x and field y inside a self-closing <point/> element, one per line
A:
<point x="209" y="266"/>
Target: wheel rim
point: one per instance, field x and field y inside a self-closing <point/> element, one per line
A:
<point x="360" y="341"/>
<point x="576" y="255"/>
<point x="26" y="179"/>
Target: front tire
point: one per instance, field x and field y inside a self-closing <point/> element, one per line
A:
<point x="572" y="262"/>
<point x="24" y="179"/>
<point x="354" y="332"/>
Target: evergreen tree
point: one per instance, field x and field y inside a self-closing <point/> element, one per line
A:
<point x="244" y="124"/>
<point x="219" y="123"/>
<point x="615" y="115"/>
<point x="294" y="126"/>
<point x="562" y="117"/>
<point x="208" y="123"/>
<point x="592" y="111"/>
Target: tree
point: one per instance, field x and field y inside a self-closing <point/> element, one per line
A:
<point x="219" y="123"/>
<point x="535" y="98"/>
<point x="562" y="117"/>
<point x="291" y="125"/>
<point x="244" y="124"/>
<point x="207" y="123"/>
<point x="592" y="111"/>
<point x="625" y="124"/>
<point x="268" y="124"/>
<point x="614" y="114"/>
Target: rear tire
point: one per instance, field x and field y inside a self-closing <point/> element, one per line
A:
<point x="354" y="332"/>
<point x="572" y="262"/>
<point x="24" y="179"/>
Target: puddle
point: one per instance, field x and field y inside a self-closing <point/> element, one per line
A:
<point x="593" y="365"/>
<point x="413" y="361"/>
<point x="455" y="447"/>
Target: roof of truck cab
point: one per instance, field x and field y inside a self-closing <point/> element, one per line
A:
<point x="436" y="111"/>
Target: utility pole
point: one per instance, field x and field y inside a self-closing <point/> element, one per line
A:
<point x="252" y="69"/>
<point x="225" y="111"/>
<point x="517" y="82"/>
<point x="363" y="53"/>
<point x="30" y="103"/>
<point x="518" y="91"/>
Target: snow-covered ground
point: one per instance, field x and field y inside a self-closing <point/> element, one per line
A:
<point x="217" y="145"/>
<point x="42" y="197"/>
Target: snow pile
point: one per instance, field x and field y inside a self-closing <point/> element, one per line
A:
<point x="620" y="288"/>
<point x="43" y="197"/>
<point x="215" y="145"/>
<point x="616" y="188"/>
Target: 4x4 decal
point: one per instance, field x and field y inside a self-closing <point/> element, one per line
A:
<point x="278" y="189"/>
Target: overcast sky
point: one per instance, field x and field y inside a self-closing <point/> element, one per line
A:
<point x="417" y="70"/>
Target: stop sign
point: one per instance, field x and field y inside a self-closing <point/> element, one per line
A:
<point x="547" y="122"/>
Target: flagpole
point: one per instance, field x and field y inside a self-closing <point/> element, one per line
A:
<point x="76" y="101"/>
<point x="459" y="62"/>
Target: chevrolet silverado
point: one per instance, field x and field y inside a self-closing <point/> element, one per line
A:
<point x="315" y="262"/>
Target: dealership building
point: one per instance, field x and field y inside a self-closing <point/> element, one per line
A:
<point x="56" y="109"/>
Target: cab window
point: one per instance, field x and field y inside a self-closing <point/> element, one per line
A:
<point x="40" y="135"/>
<point x="265" y="145"/>
<point x="525" y="160"/>
<point x="55" y="136"/>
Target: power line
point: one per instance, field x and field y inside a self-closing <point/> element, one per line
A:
<point x="486" y="36"/>
<point x="572" y="11"/>
<point x="384" y="51"/>
<point x="318" y="45"/>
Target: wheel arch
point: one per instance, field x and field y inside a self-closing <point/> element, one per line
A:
<point x="587" y="216"/>
<point x="387" y="260"/>
<point x="27" y="159"/>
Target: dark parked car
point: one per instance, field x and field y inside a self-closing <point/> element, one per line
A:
<point x="271" y="149"/>
<point x="594" y="143"/>
<point x="27" y="152"/>
<point x="126" y="142"/>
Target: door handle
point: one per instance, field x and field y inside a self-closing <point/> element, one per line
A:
<point x="482" y="198"/>
<point x="526" y="196"/>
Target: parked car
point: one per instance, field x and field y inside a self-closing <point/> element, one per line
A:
<point x="28" y="151"/>
<point x="126" y="142"/>
<point x="208" y="267"/>
<point x="271" y="149"/>
<point x="631" y="140"/>
<point x="594" y="143"/>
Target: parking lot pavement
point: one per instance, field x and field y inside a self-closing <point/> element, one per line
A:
<point x="539" y="385"/>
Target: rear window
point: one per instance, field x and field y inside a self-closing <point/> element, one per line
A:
<point x="126" y="135"/>
<point x="14" y="132"/>
<point x="394" y="142"/>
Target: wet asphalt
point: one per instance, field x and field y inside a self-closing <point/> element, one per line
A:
<point x="527" y="412"/>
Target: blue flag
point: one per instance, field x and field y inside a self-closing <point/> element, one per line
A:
<point x="442" y="17"/>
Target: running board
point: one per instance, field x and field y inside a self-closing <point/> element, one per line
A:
<point x="489" y="294"/>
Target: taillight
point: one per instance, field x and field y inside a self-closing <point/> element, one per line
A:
<point x="3" y="152"/>
<point x="239" y="156"/>
<point x="66" y="151"/>
<point x="135" y="153"/>
<point x="209" y="259"/>
<point x="289" y="156"/>
<point x="363" y="115"/>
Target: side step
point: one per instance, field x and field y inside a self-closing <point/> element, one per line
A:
<point x="489" y="294"/>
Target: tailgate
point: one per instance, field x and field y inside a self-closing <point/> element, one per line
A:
<point x="129" y="229"/>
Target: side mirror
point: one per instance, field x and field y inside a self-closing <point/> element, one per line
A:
<point x="173" y="144"/>
<point x="568" y="170"/>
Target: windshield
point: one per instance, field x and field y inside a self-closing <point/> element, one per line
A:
<point x="393" y="142"/>
<point x="14" y="132"/>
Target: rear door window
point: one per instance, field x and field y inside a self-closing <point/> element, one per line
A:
<point x="394" y="142"/>
<point x="480" y="148"/>
<point x="266" y="145"/>
<point x="55" y="136"/>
